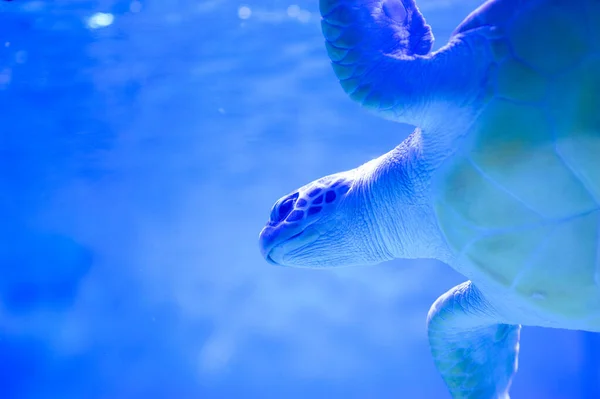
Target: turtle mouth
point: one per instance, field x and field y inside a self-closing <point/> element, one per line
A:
<point x="279" y="252"/>
<point x="267" y="254"/>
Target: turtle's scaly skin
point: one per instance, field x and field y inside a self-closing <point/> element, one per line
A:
<point x="519" y="202"/>
<point x="501" y="180"/>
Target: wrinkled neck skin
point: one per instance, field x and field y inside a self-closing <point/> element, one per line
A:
<point x="396" y="188"/>
<point x="399" y="183"/>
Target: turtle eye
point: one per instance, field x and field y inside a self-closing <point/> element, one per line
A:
<point x="282" y="210"/>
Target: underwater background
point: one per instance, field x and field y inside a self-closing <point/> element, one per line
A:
<point x="142" y="144"/>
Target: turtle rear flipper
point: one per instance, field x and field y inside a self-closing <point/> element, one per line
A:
<point x="476" y="355"/>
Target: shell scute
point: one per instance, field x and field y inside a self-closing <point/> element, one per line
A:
<point x="511" y="74"/>
<point x="551" y="38"/>
<point x="564" y="271"/>
<point x="500" y="49"/>
<point x="514" y="146"/>
<point x="480" y="202"/>
<point x="462" y="234"/>
<point x="500" y="255"/>
<point x="519" y="199"/>
<point x="575" y="109"/>
<point x="593" y="14"/>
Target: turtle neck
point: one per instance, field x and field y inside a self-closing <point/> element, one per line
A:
<point x="396" y="187"/>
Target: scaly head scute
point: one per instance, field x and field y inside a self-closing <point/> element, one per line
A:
<point x="293" y="215"/>
<point x="308" y="201"/>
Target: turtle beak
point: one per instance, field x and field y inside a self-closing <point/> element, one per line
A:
<point x="266" y="242"/>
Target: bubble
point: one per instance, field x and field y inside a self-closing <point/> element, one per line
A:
<point x="5" y="77"/>
<point x="100" y="20"/>
<point x="216" y="353"/>
<point x="244" y="12"/>
<point x="135" y="6"/>
<point x="304" y="16"/>
<point x="293" y="11"/>
<point x="21" y="57"/>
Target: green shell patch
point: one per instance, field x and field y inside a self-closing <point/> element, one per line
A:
<point x="592" y="13"/>
<point x="502" y="255"/>
<point x="561" y="276"/>
<point x="575" y="112"/>
<point x="514" y="146"/>
<point x="480" y="202"/>
<point x="556" y="49"/>
<point x="511" y="74"/>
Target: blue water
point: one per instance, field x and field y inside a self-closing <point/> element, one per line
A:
<point x="140" y="152"/>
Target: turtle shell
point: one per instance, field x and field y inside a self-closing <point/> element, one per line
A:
<point x="519" y="201"/>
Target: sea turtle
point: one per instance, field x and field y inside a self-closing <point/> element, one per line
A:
<point x="500" y="180"/>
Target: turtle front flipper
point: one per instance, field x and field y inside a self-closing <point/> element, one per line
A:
<point x="476" y="355"/>
<point x="369" y="41"/>
<point x="381" y="53"/>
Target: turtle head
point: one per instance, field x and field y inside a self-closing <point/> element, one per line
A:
<point x="379" y="211"/>
<point x="322" y="224"/>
